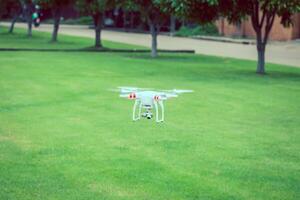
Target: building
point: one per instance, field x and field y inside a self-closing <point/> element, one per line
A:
<point x="245" y="29"/>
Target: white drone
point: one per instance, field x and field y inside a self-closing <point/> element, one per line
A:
<point x="147" y="99"/>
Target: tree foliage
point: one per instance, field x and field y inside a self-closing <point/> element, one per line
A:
<point x="92" y="7"/>
<point x="199" y="11"/>
<point x="3" y="10"/>
<point x="9" y="8"/>
<point x="235" y="10"/>
<point x="54" y="5"/>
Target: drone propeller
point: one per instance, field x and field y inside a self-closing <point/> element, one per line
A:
<point x="127" y="90"/>
<point x="179" y="91"/>
<point x="133" y="88"/>
<point x="124" y="89"/>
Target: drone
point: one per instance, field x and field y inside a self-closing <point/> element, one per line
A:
<point x="147" y="100"/>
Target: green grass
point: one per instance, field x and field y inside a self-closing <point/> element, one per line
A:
<point x="85" y="20"/>
<point x="42" y="40"/>
<point x="63" y="135"/>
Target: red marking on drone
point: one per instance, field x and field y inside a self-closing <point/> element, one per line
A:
<point x="132" y="96"/>
<point x="156" y="98"/>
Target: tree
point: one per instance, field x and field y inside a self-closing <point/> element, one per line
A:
<point x="28" y="10"/>
<point x="262" y="14"/>
<point x="152" y="14"/>
<point x="56" y="7"/>
<point x="10" y="9"/>
<point x="96" y="9"/>
<point x="14" y="10"/>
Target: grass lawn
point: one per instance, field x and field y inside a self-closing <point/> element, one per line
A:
<point x="41" y="40"/>
<point x="63" y="135"/>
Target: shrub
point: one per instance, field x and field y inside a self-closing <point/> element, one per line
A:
<point x="87" y="20"/>
<point x="208" y="29"/>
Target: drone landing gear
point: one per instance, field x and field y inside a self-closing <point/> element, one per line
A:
<point x="160" y="103"/>
<point x="148" y="114"/>
<point x="137" y="117"/>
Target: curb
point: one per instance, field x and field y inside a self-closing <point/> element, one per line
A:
<point x="99" y="50"/>
<point x="225" y="40"/>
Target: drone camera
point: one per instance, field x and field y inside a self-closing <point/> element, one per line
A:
<point x="147" y="115"/>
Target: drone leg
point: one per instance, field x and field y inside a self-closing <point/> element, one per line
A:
<point x="162" y="111"/>
<point x="134" y="117"/>
<point x="156" y="111"/>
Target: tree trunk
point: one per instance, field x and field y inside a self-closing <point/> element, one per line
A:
<point x="261" y="47"/>
<point x="29" y="25"/>
<point x="265" y="21"/>
<point x="28" y="10"/>
<point x="55" y="27"/>
<point x="11" y="29"/>
<point x="98" y="43"/>
<point x="98" y="26"/>
<point x="153" y="32"/>
<point x="172" y="25"/>
<point x="261" y="59"/>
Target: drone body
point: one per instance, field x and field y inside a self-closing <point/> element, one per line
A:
<point x="148" y="100"/>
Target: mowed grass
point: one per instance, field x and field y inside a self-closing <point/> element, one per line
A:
<point x="63" y="135"/>
<point x="41" y="40"/>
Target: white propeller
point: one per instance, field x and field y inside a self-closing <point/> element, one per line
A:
<point x="176" y="91"/>
<point x="133" y="88"/>
<point x="127" y="89"/>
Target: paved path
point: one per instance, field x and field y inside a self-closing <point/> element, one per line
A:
<point x="277" y="52"/>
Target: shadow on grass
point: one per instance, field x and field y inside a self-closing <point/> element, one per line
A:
<point x="20" y="35"/>
<point x="176" y="56"/>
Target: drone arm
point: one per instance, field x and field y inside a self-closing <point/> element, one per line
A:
<point x="156" y="111"/>
<point x="140" y="109"/>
